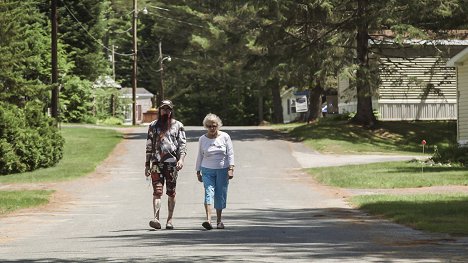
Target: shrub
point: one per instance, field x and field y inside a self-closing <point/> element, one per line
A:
<point x="28" y="139"/>
<point x="451" y="154"/>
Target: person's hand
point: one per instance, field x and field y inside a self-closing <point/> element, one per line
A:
<point x="199" y="177"/>
<point x="147" y="171"/>
<point x="179" y="165"/>
<point x="230" y="174"/>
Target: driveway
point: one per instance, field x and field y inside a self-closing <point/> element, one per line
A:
<point x="275" y="213"/>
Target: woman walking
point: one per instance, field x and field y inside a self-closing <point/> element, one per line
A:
<point x="215" y="167"/>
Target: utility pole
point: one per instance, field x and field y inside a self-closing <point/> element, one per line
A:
<point x="134" y="71"/>
<point x="113" y="61"/>
<point x="55" y="86"/>
<point x="161" y="88"/>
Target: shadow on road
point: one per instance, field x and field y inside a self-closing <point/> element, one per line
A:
<point x="236" y="135"/>
<point x="287" y="234"/>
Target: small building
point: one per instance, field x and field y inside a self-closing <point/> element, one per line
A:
<point x="294" y="104"/>
<point x="143" y="104"/>
<point x="460" y="61"/>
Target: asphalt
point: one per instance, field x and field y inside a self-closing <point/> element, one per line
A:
<point x="275" y="213"/>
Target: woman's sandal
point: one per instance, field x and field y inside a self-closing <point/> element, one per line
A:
<point x="220" y="225"/>
<point x="207" y="225"/>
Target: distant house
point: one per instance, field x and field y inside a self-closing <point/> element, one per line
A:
<point x="143" y="103"/>
<point x="460" y="61"/>
<point x="415" y="83"/>
<point x="294" y="104"/>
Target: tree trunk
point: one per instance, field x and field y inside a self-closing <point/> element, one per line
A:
<point x="277" y="107"/>
<point x="364" y="114"/>
<point x="260" y="108"/>
<point x="315" y="103"/>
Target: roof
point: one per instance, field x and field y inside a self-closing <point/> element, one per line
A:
<point x="106" y="82"/>
<point x="461" y="57"/>
<point x="140" y="93"/>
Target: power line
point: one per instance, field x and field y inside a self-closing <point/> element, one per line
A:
<point x="89" y="34"/>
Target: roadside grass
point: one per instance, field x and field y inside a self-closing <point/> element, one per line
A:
<point x="14" y="200"/>
<point x="446" y="213"/>
<point x="329" y="135"/>
<point x="390" y="175"/>
<point x="84" y="149"/>
<point x="442" y="213"/>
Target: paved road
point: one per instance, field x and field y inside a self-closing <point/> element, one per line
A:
<point x="275" y="214"/>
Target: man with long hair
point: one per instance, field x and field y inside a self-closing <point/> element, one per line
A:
<point x="165" y="154"/>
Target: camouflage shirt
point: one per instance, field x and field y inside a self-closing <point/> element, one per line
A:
<point x="165" y="146"/>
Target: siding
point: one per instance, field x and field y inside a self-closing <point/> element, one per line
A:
<point x="419" y="88"/>
<point x="417" y="78"/>
<point x="463" y="103"/>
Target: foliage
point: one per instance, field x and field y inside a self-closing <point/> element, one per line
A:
<point x="453" y="154"/>
<point x="108" y="103"/>
<point x="28" y="139"/>
<point x="76" y="99"/>
<point x="24" y="46"/>
<point x="84" y="26"/>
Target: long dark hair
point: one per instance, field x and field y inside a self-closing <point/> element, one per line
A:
<point x="164" y="125"/>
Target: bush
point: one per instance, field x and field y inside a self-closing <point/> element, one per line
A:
<point x="451" y="154"/>
<point x="28" y="139"/>
<point x="112" y="121"/>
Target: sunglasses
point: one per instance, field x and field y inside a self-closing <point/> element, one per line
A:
<point x="212" y="126"/>
<point x="166" y="108"/>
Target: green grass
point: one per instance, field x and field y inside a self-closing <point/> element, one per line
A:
<point x="390" y="175"/>
<point x="399" y="137"/>
<point x="84" y="149"/>
<point x="428" y="212"/>
<point x="14" y="200"/>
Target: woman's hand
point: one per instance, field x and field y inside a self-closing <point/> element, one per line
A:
<point x="199" y="177"/>
<point x="230" y="174"/>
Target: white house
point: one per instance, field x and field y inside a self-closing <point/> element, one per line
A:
<point x="460" y="61"/>
<point x="294" y="103"/>
<point x="143" y="103"/>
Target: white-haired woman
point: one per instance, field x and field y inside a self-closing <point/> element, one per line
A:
<point x="215" y="167"/>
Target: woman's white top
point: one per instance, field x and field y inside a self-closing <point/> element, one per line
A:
<point x="215" y="153"/>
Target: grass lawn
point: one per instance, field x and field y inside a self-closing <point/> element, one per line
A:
<point x="14" y="200"/>
<point x="429" y="212"/>
<point x="445" y="213"/>
<point x="390" y="175"/>
<point x="84" y="149"/>
<point x="398" y="137"/>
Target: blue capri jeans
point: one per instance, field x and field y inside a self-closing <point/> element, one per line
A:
<point x="216" y="184"/>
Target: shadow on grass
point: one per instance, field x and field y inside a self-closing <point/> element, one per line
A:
<point x="398" y="135"/>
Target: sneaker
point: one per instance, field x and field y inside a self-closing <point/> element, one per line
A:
<point x="220" y="225"/>
<point x="169" y="226"/>
<point x="155" y="224"/>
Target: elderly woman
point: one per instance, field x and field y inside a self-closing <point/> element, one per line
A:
<point x="215" y="165"/>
